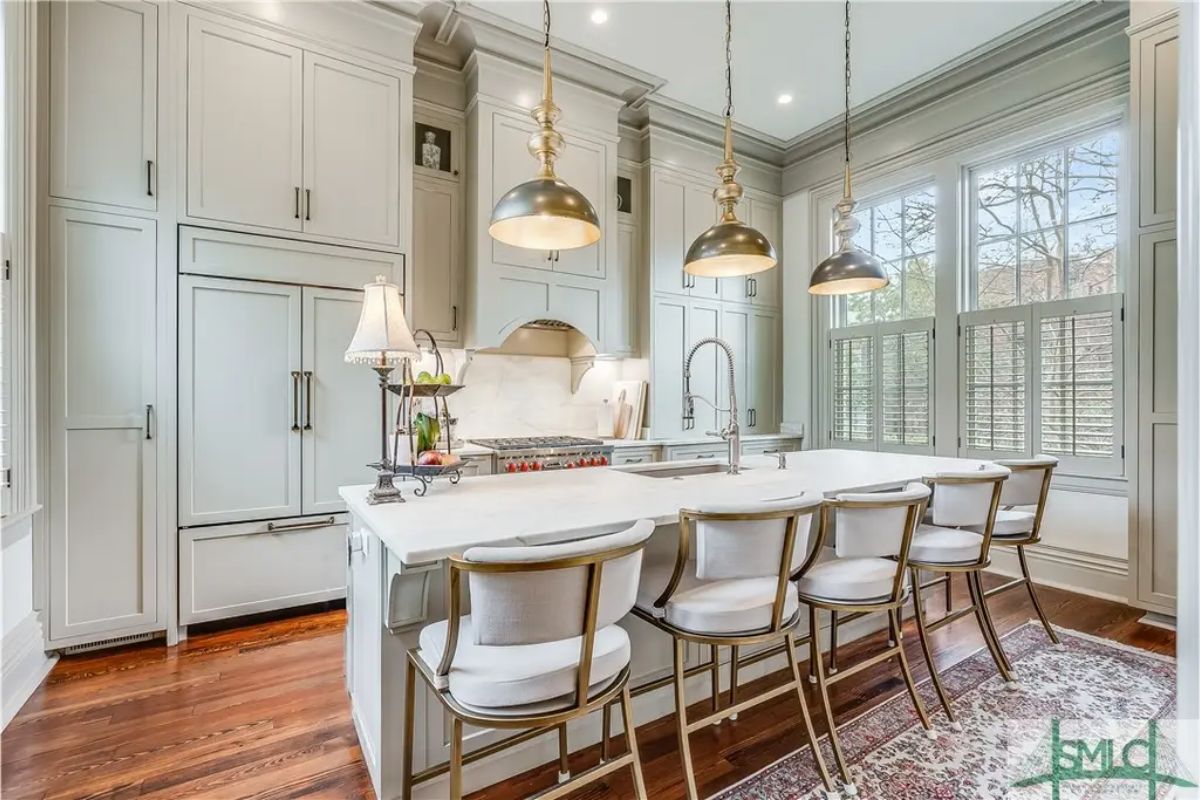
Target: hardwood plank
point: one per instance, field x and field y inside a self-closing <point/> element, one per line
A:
<point x="261" y="711"/>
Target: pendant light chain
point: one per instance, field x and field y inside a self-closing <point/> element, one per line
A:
<point x="546" y="23"/>
<point x="728" y="58"/>
<point x="846" y="118"/>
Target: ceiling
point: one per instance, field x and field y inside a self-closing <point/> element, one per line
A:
<point x="780" y="47"/>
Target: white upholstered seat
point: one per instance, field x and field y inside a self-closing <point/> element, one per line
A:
<point x="850" y="580"/>
<point x="516" y="677"/>
<point x="1010" y="525"/>
<point x="935" y="545"/>
<point x="733" y="605"/>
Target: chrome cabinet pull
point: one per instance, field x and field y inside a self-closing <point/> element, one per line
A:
<point x="273" y="527"/>
<point x="149" y="411"/>
<point x="296" y="400"/>
<point x="633" y="460"/>
<point x="308" y="399"/>
<point x="296" y="209"/>
<point x="307" y="205"/>
<point x="149" y="178"/>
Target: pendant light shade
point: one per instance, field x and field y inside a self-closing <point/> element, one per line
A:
<point x="850" y="270"/>
<point x="545" y="213"/>
<point x="729" y="248"/>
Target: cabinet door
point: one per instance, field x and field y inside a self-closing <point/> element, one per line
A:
<point x="764" y="372"/>
<point x="102" y="498"/>
<point x="735" y="330"/>
<point x="240" y="391"/>
<point x="709" y="366"/>
<point x="764" y="216"/>
<point x="437" y="258"/>
<point x="667" y="233"/>
<point x="669" y="344"/>
<point x="103" y="108"/>
<point x="700" y="212"/>
<point x="624" y="340"/>
<point x="341" y="402"/>
<point x="351" y="152"/>
<point x="243" y="127"/>
<point x="583" y="165"/>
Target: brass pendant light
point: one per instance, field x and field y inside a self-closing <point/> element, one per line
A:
<point x="545" y="213"/>
<point x="730" y="247"/>
<point x="850" y="269"/>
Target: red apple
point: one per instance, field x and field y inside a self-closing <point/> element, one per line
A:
<point x="430" y="458"/>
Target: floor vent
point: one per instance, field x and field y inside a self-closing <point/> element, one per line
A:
<point x="105" y="643"/>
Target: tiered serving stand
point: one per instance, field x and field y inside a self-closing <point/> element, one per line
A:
<point x="411" y="394"/>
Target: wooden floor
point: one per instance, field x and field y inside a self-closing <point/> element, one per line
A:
<point x="260" y="711"/>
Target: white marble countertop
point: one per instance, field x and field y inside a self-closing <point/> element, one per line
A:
<point x="540" y="507"/>
<point x="701" y="439"/>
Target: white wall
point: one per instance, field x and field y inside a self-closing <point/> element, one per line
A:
<point x="16" y="568"/>
<point x="23" y="663"/>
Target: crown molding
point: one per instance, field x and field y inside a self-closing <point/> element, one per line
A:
<point x="1075" y="25"/>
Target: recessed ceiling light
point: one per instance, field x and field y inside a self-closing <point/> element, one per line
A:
<point x="599" y="16"/>
<point x="784" y="99"/>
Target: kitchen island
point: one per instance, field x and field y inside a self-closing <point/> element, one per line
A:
<point x="396" y="566"/>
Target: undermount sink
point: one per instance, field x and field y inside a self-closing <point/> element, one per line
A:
<point x="681" y="471"/>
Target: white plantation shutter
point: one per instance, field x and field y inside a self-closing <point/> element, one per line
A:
<point x="994" y="376"/>
<point x="905" y="380"/>
<point x="853" y="389"/>
<point x="1077" y="405"/>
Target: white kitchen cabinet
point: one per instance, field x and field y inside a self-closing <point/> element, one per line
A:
<point x="103" y="102"/>
<point x="103" y="426"/>
<point x="625" y="309"/>
<point x="760" y="289"/>
<point x="437" y="277"/>
<point x="340" y="434"/>
<point x="699" y="214"/>
<point x="234" y="570"/>
<point x="583" y="164"/>
<point x="351" y="151"/>
<point x="240" y="397"/>
<point x="735" y="330"/>
<point x="288" y="139"/>
<point x="681" y="209"/>
<point x="244" y="127"/>
<point x="678" y="323"/>
<point x="272" y="420"/>
<point x="763" y="369"/>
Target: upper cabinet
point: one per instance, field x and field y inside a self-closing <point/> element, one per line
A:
<point x="283" y="138"/>
<point x="761" y="289"/>
<point x="103" y="109"/>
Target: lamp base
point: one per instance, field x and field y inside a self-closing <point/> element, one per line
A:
<point x="385" y="490"/>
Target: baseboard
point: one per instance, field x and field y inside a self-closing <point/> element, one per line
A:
<point x="1100" y="576"/>
<point x="23" y="666"/>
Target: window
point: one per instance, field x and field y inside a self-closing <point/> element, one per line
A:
<point x="1045" y="226"/>
<point x="884" y="338"/>
<point x="1040" y="351"/>
<point x="900" y="233"/>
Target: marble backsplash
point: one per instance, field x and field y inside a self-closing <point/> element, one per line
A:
<point x="520" y="395"/>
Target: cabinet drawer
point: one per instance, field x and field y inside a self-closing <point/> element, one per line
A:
<point x="769" y="446"/>
<point x="689" y="451"/>
<point x="234" y="570"/>
<point x="634" y="455"/>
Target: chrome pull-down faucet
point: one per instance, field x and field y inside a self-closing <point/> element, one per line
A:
<point x="731" y="432"/>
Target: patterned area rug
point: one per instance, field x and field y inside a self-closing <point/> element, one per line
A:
<point x="1006" y="733"/>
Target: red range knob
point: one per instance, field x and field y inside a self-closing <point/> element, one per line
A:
<point x="537" y="466"/>
<point x="604" y="461"/>
<point x="511" y="467"/>
<point x="524" y="466"/>
<point x="581" y="462"/>
<point x="595" y="462"/>
<point x="570" y="465"/>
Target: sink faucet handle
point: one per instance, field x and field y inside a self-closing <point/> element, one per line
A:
<point x="782" y="456"/>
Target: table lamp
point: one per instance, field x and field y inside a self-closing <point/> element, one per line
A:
<point x="381" y="341"/>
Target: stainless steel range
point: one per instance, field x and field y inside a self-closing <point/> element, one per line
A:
<point x="536" y="453"/>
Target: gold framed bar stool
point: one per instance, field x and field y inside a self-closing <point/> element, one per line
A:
<point x="521" y="663"/>
<point x="869" y="575"/>
<point x="958" y="541"/>
<point x="736" y="591"/>
<point x="1027" y="488"/>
